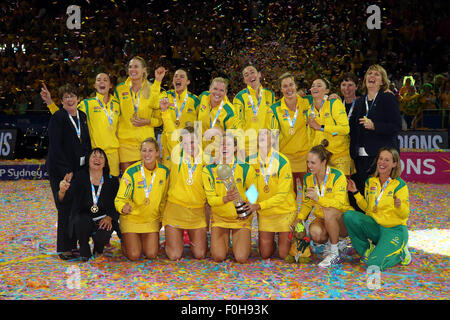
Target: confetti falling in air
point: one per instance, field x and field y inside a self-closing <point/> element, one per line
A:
<point x="29" y="268"/>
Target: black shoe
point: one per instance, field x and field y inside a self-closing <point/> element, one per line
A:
<point x="64" y="256"/>
<point x="84" y="259"/>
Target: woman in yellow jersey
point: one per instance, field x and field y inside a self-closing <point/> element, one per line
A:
<point x="325" y="189"/>
<point x="139" y="110"/>
<point x="102" y="113"/>
<point x="252" y="104"/>
<point x="216" y="115"/>
<point x="327" y="119"/>
<point x="224" y="216"/>
<point x="182" y="110"/>
<point x="380" y="236"/>
<point x="276" y="205"/>
<point x="140" y="201"/>
<point x="287" y="116"/>
<point x="185" y="209"/>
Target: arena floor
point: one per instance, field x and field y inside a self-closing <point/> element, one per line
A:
<point x="29" y="268"/>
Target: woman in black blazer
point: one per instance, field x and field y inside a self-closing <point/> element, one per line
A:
<point x="69" y="144"/>
<point x="92" y="192"/>
<point x="375" y="123"/>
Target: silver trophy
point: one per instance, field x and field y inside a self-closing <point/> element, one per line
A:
<point x="225" y="174"/>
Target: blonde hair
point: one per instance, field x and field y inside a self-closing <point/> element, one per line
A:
<point x="221" y="80"/>
<point x="397" y="170"/>
<point x="151" y="140"/>
<point x="384" y="77"/>
<point x="145" y="82"/>
<point x="286" y="75"/>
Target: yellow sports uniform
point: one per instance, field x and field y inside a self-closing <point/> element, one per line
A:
<point x="186" y="115"/>
<point x="224" y="215"/>
<point x="186" y="199"/>
<point x="293" y="139"/>
<point x="386" y="214"/>
<point x="333" y="195"/>
<point x="333" y="117"/>
<point x="278" y="205"/>
<point x="144" y="217"/>
<point x="209" y="117"/>
<point x="102" y="120"/>
<point x="131" y="137"/>
<point x="246" y="103"/>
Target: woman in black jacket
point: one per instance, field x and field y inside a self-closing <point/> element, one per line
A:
<point x="93" y="213"/>
<point x="374" y="124"/>
<point x="69" y="144"/>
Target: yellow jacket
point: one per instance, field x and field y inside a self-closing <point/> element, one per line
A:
<point x="244" y="177"/>
<point x="335" y="194"/>
<point x="298" y="142"/>
<point x="336" y="128"/>
<point x="131" y="190"/>
<point x="148" y="109"/>
<point x="103" y="134"/>
<point x="281" y="196"/>
<point x="244" y="108"/>
<point x="386" y="214"/>
<point x="227" y="119"/>
<point x="188" y="196"/>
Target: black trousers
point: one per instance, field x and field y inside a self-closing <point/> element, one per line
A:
<point x="85" y="228"/>
<point x="365" y="167"/>
<point x="65" y="241"/>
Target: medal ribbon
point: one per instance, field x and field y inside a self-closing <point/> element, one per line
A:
<point x="109" y="116"/>
<point x="266" y="177"/>
<point x="178" y="114"/>
<point x="217" y="115"/>
<point x="292" y="122"/>
<point x="255" y="111"/>
<point x="377" y="200"/>
<point x="321" y="194"/>
<point x="147" y="190"/>
<point x="136" y="106"/>
<point x="191" y="171"/>
<point x="77" y="129"/>
<point x="312" y="107"/>
<point x="367" y="104"/>
<point x="95" y="196"/>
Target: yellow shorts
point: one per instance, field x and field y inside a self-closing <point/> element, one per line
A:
<point x="222" y="222"/>
<point x="298" y="161"/>
<point x="342" y="162"/>
<point x="184" y="218"/>
<point x="132" y="227"/>
<point x="129" y="152"/>
<point x="276" y="222"/>
<point x="113" y="161"/>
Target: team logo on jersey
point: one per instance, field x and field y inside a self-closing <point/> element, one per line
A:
<point x="161" y="182"/>
<point x="327" y="114"/>
<point x="190" y="110"/>
<point x="239" y="180"/>
<point x="257" y="170"/>
<point x="329" y="190"/>
<point x="373" y="188"/>
<point x="125" y="93"/>
<point x="390" y="193"/>
<point x="203" y="107"/>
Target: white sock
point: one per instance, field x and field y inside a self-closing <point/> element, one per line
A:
<point x="334" y="248"/>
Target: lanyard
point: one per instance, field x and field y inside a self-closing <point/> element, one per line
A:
<point x="217" y="115"/>
<point x="109" y="116"/>
<point x="191" y="169"/>
<point x="255" y="111"/>
<point x="321" y="194"/>
<point x="377" y="200"/>
<point x="178" y="114"/>
<point x="147" y="190"/>
<point x="136" y="106"/>
<point x="77" y="128"/>
<point x="95" y="196"/>
<point x="351" y="109"/>
<point x="266" y="176"/>
<point x="367" y="104"/>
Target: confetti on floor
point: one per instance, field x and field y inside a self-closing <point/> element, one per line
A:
<point x="29" y="268"/>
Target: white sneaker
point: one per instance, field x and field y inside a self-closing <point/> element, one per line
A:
<point x="327" y="249"/>
<point x="330" y="260"/>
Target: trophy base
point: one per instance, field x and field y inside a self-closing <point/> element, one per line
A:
<point x="241" y="213"/>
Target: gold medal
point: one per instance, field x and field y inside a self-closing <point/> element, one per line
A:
<point x="255" y="118"/>
<point x="190" y="181"/>
<point x="375" y="209"/>
<point x="94" y="209"/>
<point x="266" y="189"/>
<point x="177" y="123"/>
<point x="291" y="131"/>
<point x="147" y="201"/>
<point x="135" y="115"/>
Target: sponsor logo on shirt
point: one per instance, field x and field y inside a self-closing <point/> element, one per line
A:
<point x="125" y="93"/>
<point x="329" y="189"/>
